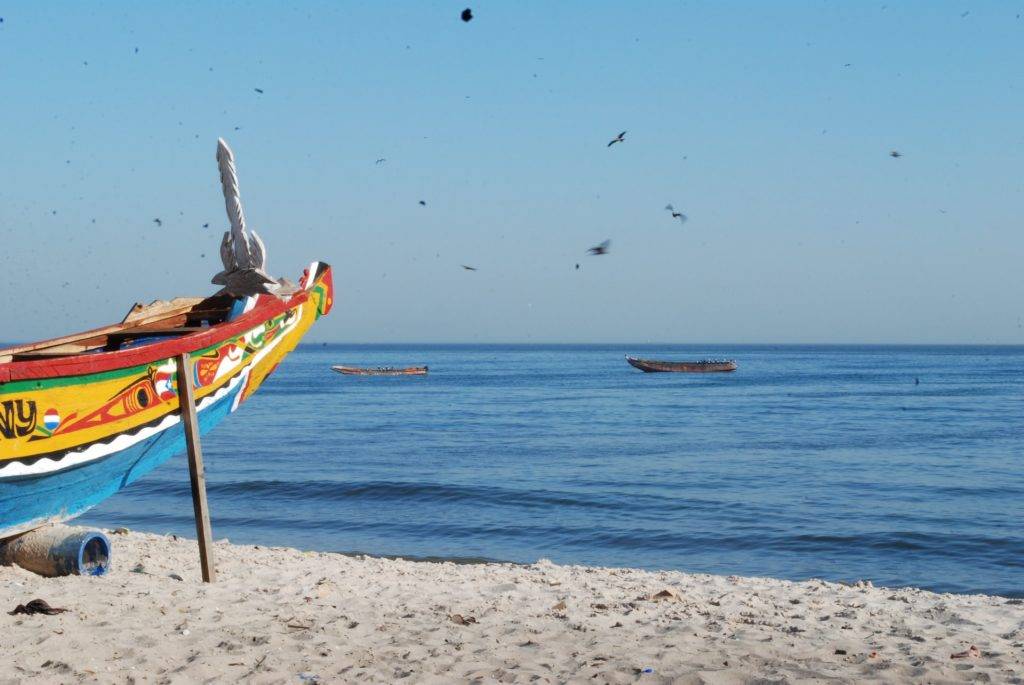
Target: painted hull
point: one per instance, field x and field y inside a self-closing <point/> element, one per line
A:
<point x="652" y="366"/>
<point x="69" y="441"/>
<point x="356" y="371"/>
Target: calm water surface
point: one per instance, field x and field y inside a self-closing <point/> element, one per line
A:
<point x="807" y="462"/>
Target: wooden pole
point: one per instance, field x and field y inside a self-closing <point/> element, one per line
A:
<point x="190" y="422"/>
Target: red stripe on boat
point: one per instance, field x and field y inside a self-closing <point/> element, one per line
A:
<point x="266" y="307"/>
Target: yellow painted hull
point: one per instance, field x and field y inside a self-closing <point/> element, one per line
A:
<point x="65" y="441"/>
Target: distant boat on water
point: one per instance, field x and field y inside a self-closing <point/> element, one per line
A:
<point x="702" y="366"/>
<point x="381" y="371"/>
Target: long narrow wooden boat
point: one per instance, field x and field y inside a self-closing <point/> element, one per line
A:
<point x="85" y="415"/>
<point x="702" y="366"/>
<point x="381" y="371"/>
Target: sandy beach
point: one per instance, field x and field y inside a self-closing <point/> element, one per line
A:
<point x="284" y="615"/>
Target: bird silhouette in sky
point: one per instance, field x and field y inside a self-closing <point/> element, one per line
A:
<point x="676" y="215"/>
<point x="468" y="268"/>
<point x="380" y="160"/>
<point x="621" y="138"/>
<point x="467" y="14"/>
<point x="895" y="154"/>
<point x="600" y="249"/>
<point x="423" y="203"/>
<point x="259" y="90"/>
<point x="158" y="222"/>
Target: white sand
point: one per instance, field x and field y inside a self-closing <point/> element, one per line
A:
<point x="281" y="615"/>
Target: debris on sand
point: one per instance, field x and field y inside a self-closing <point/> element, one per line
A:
<point x="37" y="606"/>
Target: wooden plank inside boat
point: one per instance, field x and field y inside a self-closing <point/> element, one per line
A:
<point x="164" y="315"/>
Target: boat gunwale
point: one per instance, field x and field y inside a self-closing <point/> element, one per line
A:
<point x="267" y="307"/>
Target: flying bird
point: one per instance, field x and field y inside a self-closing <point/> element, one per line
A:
<point x="468" y="268"/>
<point x="676" y="215"/>
<point x="259" y="90"/>
<point x="380" y="160"/>
<point x="600" y="249"/>
<point x="895" y="154"/>
<point x="423" y="202"/>
<point x="621" y="138"/>
<point x="577" y="267"/>
<point x="467" y="14"/>
<point x="158" y="222"/>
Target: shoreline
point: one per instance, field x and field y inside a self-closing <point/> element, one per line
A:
<point x="282" y="615"/>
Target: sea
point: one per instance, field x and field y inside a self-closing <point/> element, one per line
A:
<point x="896" y="464"/>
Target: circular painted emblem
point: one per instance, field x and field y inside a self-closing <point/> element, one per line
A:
<point x="51" y="419"/>
<point x="163" y="382"/>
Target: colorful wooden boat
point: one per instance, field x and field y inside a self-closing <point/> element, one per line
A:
<point x="85" y="415"/>
<point x="702" y="366"/>
<point x="381" y="371"/>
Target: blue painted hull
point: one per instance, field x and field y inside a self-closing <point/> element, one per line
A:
<point x="69" y="493"/>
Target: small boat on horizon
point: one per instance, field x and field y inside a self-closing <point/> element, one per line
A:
<point x="381" y="371"/>
<point x="702" y="366"/>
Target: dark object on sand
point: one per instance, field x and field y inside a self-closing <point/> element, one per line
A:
<point x="36" y="606"/>
<point x="702" y="366"/>
<point x="467" y="14"/>
<point x="971" y="652"/>
<point x="381" y="371"/>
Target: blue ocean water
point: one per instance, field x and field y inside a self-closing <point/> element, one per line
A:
<point x="809" y="461"/>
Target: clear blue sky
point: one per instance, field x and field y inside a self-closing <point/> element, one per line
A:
<point x="742" y="114"/>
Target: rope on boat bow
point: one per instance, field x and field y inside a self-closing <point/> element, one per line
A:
<point x="242" y="252"/>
